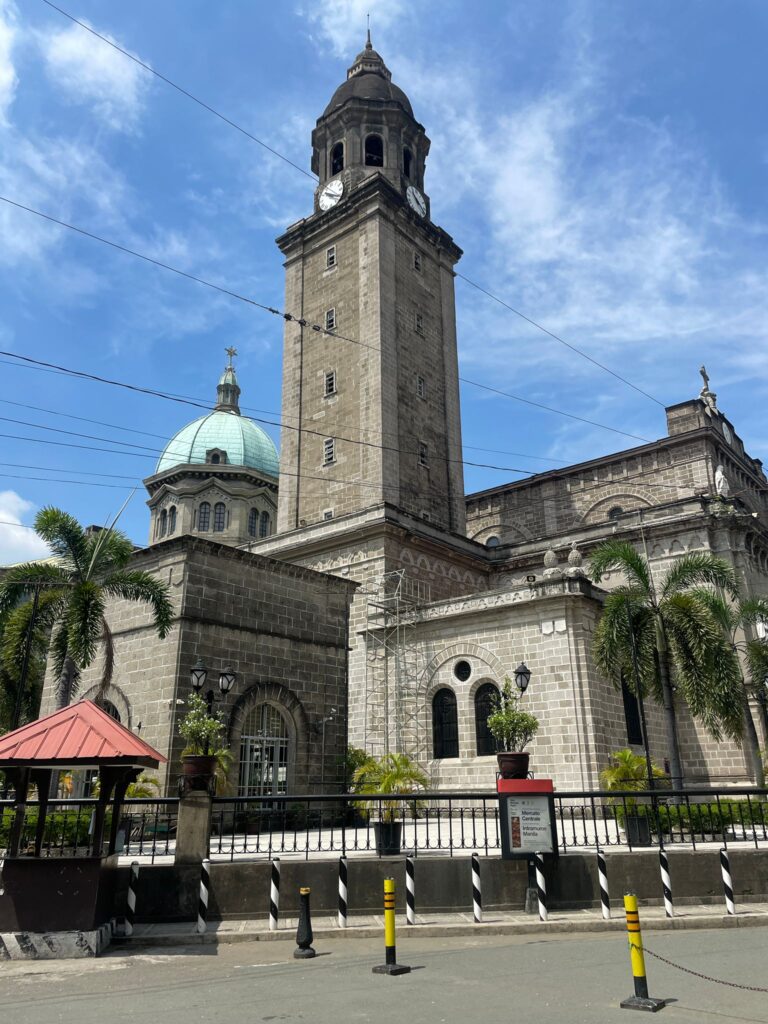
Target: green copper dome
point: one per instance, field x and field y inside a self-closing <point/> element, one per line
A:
<point x="223" y="430"/>
<point x="244" y="442"/>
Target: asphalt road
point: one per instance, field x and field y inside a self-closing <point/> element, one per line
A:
<point x="579" y="978"/>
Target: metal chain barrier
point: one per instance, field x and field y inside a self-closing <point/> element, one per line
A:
<point x="706" y="977"/>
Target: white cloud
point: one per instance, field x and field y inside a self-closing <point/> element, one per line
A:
<point x="17" y="542"/>
<point x="89" y="71"/>
<point x="8" y="76"/>
<point x="343" y="22"/>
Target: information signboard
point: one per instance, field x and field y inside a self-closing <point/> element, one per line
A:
<point x="527" y="824"/>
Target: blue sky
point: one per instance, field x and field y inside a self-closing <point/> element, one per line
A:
<point x="602" y="164"/>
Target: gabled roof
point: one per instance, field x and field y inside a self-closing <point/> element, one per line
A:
<point x="79" y="735"/>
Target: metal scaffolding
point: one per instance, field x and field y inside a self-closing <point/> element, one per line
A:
<point x="393" y="720"/>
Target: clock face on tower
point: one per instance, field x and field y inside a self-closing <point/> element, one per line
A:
<point x="416" y="200"/>
<point x="331" y="194"/>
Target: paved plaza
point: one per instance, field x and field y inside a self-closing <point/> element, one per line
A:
<point x="577" y="978"/>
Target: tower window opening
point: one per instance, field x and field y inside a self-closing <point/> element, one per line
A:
<point x="417" y="261"/>
<point x="330" y="257"/>
<point x="219" y="517"/>
<point x="329" y="451"/>
<point x="330" y="383"/>
<point x="253" y="517"/>
<point x="204" y="517"/>
<point x="330" y="320"/>
<point x="328" y="514"/>
<point x="172" y="520"/>
<point x="418" y="323"/>
<point x="163" y="523"/>
<point x="374" y="151"/>
<point x="407" y="160"/>
<point x="421" y="386"/>
<point x="337" y="158"/>
<point x="423" y="454"/>
<point x="264" y="524"/>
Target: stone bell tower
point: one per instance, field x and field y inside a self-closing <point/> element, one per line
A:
<point x="375" y="391"/>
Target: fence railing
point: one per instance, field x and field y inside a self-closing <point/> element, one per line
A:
<point x="427" y="822"/>
<point x="147" y="827"/>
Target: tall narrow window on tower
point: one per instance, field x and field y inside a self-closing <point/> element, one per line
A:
<point x="417" y="261"/>
<point x="423" y="454"/>
<point x="418" y="323"/>
<point x="337" y="158"/>
<point x="330" y="319"/>
<point x="407" y="158"/>
<point x="421" y="386"/>
<point x="330" y="257"/>
<point x="374" y="151"/>
<point x="330" y="383"/>
<point x="329" y="451"/>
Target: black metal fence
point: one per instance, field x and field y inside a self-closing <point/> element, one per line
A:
<point x="147" y="827"/>
<point x="428" y="822"/>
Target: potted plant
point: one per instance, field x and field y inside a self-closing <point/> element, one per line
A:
<point x="513" y="729"/>
<point x="393" y="773"/>
<point x="628" y="772"/>
<point x="206" y="754"/>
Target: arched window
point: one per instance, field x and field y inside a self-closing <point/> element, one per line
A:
<point x="253" y="519"/>
<point x="337" y="158"/>
<point x="264" y="525"/>
<point x="219" y="516"/>
<point x="615" y="512"/>
<point x="163" y="523"/>
<point x="264" y="752"/>
<point x="215" y="459"/>
<point x="492" y="542"/>
<point x="172" y="519"/>
<point x="445" y="724"/>
<point x="204" y="517"/>
<point x="374" y="151"/>
<point x="485" y="701"/>
<point x="109" y="707"/>
<point x="407" y="159"/>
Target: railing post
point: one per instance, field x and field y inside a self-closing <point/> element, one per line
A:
<point x="193" y="829"/>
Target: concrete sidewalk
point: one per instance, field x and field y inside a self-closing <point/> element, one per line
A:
<point x="441" y="925"/>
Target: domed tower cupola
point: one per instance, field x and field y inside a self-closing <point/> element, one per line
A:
<point x="228" y="390"/>
<point x="367" y="128"/>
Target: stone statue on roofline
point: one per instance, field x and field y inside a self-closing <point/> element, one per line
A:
<point x="709" y="398"/>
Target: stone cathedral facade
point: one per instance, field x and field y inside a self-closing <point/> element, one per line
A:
<point x="373" y="547"/>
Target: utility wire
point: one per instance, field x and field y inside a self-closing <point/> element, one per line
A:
<point x="289" y="317"/>
<point x="239" y="128"/>
<point x="184" y="92"/>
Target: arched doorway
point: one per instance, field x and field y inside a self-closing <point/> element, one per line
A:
<point x="264" y="752"/>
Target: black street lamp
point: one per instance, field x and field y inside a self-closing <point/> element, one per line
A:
<point x="522" y="677"/>
<point x="197" y="677"/>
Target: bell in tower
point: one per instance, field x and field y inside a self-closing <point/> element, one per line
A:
<point x="368" y="128"/>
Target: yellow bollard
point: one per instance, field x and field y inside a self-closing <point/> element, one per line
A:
<point x="640" y="1000"/>
<point x="391" y="965"/>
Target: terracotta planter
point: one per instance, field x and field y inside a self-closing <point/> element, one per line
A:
<point x="197" y="770"/>
<point x="513" y="764"/>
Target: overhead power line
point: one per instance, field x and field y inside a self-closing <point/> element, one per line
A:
<point x="235" y="125"/>
<point x="288" y="316"/>
<point x="183" y="91"/>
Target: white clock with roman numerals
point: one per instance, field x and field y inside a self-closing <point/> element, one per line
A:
<point x="416" y="200"/>
<point x="331" y="194"/>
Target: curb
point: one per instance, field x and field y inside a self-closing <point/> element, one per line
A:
<point x="437" y="931"/>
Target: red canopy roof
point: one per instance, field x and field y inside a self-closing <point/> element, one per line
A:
<point x="77" y="736"/>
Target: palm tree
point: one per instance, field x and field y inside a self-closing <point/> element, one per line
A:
<point x="673" y="633"/>
<point x="391" y="774"/>
<point x="733" y="617"/>
<point x="87" y="569"/>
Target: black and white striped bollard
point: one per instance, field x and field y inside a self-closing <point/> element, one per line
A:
<point x="602" y="874"/>
<point x="725" y="868"/>
<point x="541" y="886"/>
<point x="130" y="910"/>
<point x="410" y="891"/>
<point x="666" y="883"/>
<point x="202" y="903"/>
<point x="477" y="892"/>
<point x="342" y="892"/>
<point x="274" y="895"/>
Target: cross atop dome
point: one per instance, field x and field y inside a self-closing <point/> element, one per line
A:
<point x="228" y="390"/>
<point x="231" y="352"/>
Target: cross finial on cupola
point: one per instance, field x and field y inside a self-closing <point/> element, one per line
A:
<point x="228" y="390"/>
<point x="368" y="43"/>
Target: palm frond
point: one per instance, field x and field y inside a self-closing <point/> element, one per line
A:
<point x="612" y="643"/>
<point x="619" y="556"/>
<point x="85" y="614"/>
<point x="697" y="568"/>
<point x="19" y="582"/>
<point x="754" y="609"/>
<point x="722" y="611"/>
<point x="136" y="585"/>
<point x="108" y="643"/>
<point x="64" y="535"/>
